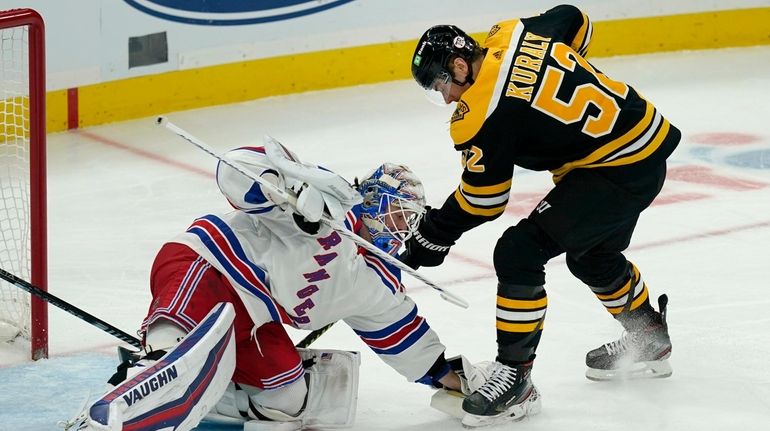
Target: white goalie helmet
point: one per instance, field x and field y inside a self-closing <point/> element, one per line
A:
<point x="394" y="200"/>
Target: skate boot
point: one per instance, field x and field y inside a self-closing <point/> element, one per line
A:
<point x="507" y="396"/>
<point x="642" y="351"/>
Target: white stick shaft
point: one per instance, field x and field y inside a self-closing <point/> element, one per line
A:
<point x="292" y="200"/>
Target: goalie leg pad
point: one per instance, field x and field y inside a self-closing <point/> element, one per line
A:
<point x="180" y="388"/>
<point x="332" y="393"/>
<point x="332" y="388"/>
<point x="260" y="425"/>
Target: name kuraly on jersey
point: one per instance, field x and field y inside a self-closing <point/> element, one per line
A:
<point x="539" y="104"/>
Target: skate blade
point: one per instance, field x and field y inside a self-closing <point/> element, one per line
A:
<point x="515" y="413"/>
<point x="639" y="370"/>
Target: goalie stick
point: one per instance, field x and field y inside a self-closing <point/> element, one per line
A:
<point x="292" y="200"/>
<point x="106" y="327"/>
<point x="69" y="308"/>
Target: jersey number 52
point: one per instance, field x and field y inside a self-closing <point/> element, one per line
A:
<point x="599" y="94"/>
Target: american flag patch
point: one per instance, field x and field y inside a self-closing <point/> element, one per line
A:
<point x="326" y="356"/>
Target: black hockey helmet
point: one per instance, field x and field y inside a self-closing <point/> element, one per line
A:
<point x="434" y="50"/>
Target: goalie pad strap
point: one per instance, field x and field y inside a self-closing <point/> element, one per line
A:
<point x="122" y="372"/>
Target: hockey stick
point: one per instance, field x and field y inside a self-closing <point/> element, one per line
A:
<point x="314" y="335"/>
<point x="69" y="308"/>
<point x="292" y="200"/>
<point x="106" y="327"/>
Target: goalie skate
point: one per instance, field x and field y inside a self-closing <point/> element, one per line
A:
<point x="641" y="353"/>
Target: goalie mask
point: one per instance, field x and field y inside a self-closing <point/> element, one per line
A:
<point x="393" y="202"/>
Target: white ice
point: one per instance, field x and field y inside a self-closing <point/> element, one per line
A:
<point x="117" y="192"/>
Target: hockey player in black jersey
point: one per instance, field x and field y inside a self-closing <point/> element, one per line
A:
<point x="528" y="97"/>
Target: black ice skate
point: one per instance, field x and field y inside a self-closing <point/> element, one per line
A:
<point x="640" y="353"/>
<point x="508" y="395"/>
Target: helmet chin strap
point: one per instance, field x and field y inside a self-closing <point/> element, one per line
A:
<point x="468" y="79"/>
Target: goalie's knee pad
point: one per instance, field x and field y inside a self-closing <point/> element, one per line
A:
<point x="284" y="402"/>
<point x="330" y="397"/>
<point x="179" y="389"/>
<point x="246" y="402"/>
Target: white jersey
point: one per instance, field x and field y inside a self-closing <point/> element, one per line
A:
<point x="284" y="274"/>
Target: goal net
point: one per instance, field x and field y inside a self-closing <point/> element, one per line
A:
<point x="22" y="177"/>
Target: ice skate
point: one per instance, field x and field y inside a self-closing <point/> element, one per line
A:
<point x="641" y="352"/>
<point x="507" y="396"/>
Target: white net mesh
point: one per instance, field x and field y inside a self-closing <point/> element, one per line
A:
<point x="14" y="181"/>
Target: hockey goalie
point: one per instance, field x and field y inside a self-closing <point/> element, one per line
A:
<point x="215" y="344"/>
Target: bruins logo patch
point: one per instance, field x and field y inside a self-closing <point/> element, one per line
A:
<point x="460" y="111"/>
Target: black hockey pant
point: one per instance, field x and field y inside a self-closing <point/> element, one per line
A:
<point x="590" y="215"/>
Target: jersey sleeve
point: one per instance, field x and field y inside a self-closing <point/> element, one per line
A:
<point x="485" y="185"/>
<point x="564" y="23"/>
<point x="242" y="192"/>
<point x="400" y="337"/>
<point x="387" y="320"/>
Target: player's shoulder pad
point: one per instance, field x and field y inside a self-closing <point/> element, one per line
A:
<point x="563" y="23"/>
<point x="476" y="105"/>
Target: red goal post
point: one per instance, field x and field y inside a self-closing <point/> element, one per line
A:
<point x="23" y="232"/>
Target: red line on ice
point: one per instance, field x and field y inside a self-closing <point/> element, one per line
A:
<point x="146" y="154"/>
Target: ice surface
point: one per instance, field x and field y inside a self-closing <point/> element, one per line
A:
<point x="117" y="192"/>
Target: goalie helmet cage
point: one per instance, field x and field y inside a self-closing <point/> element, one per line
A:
<point x="23" y="247"/>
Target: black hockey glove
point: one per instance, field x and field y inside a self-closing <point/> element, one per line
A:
<point x="426" y="247"/>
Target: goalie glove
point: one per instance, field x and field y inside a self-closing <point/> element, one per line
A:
<point x="472" y="377"/>
<point x="323" y="190"/>
<point x="310" y="202"/>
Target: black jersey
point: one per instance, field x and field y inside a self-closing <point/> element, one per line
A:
<point x="539" y="104"/>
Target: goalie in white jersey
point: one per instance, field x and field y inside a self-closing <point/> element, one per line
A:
<point x="276" y="264"/>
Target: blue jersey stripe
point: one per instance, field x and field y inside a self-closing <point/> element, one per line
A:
<point x="405" y="343"/>
<point x="228" y="266"/>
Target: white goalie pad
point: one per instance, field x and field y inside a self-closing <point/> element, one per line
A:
<point x="331" y="399"/>
<point x="332" y="388"/>
<point x="176" y="391"/>
<point x="325" y="186"/>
